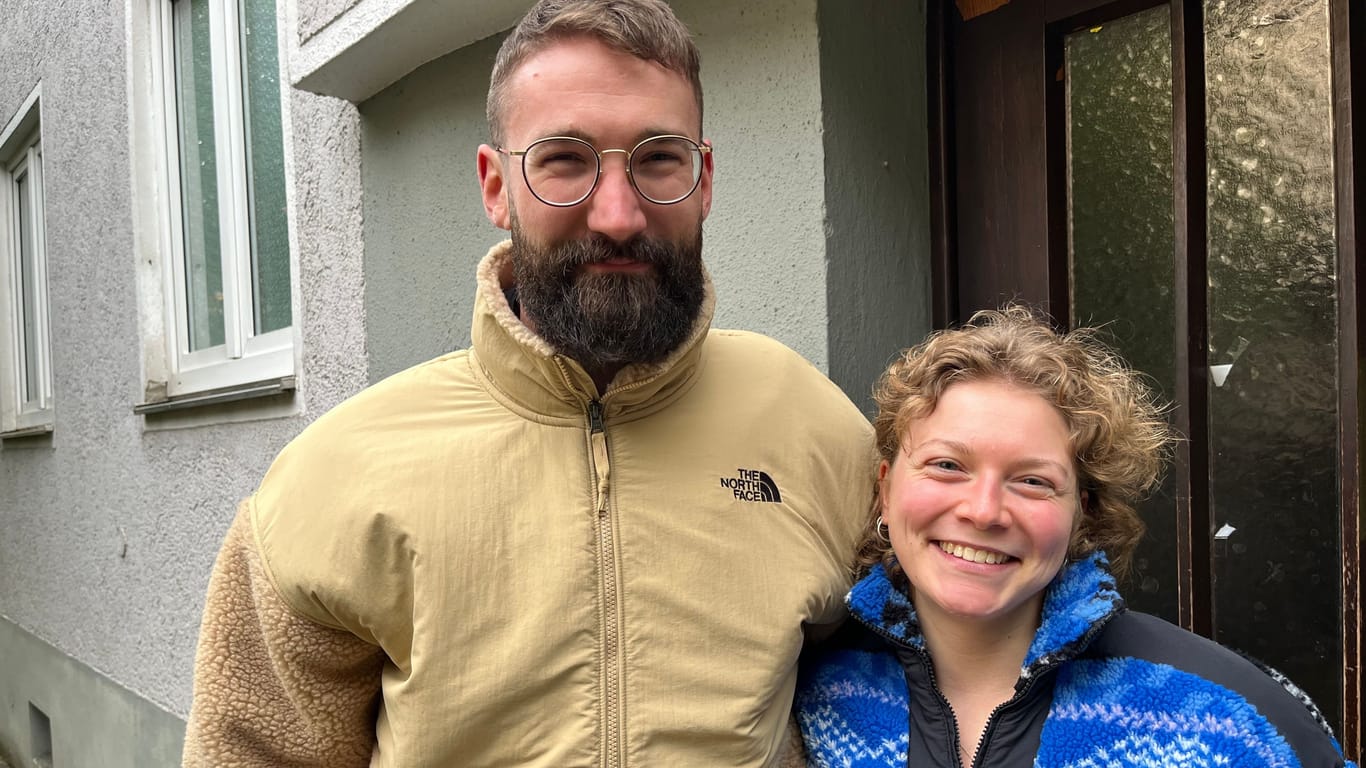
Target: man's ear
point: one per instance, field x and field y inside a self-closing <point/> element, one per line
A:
<point x="493" y="186"/>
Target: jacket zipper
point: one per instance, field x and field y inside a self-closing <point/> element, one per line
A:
<point x="610" y="627"/>
<point x="953" y="717"/>
<point x="1020" y="692"/>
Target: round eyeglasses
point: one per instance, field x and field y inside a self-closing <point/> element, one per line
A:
<point x="563" y="171"/>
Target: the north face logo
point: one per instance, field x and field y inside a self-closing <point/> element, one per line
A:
<point x="752" y="485"/>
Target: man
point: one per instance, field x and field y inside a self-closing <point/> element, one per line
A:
<point x="595" y="538"/>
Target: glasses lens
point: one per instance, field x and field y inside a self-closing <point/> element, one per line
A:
<point x="560" y="171"/>
<point x="666" y="169"/>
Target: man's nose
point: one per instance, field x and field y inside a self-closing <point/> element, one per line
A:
<point x="615" y="210"/>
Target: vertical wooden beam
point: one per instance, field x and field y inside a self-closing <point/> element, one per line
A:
<point x="939" y="93"/>
<point x="1192" y="388"/>
<point x="1346" y="33"/>
<point x="1056" y="166"/>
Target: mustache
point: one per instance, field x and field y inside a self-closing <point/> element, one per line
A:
<point x="572" y="254"/>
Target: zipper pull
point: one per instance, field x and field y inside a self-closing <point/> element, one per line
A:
<point x="595" y="417"/>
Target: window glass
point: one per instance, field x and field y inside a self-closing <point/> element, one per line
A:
<point x="1273" y="339"/>
<point x="265" y="172"/>
<point x="28" y="291"/>
<point x="198" y="174"/>
<point x="1120" y="202"/>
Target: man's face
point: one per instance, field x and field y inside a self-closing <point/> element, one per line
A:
<point x="615" y="279"/>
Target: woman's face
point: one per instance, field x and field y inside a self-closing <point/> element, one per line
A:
<point x="980" y="504"/>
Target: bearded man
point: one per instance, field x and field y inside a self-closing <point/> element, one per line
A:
<point x="597" y="537"/>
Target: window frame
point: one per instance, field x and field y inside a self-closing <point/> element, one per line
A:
<point x="245" y="358"/>
<point x="21" y="152"/>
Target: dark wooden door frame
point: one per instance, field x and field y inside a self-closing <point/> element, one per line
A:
<point x="1348" y="39"/>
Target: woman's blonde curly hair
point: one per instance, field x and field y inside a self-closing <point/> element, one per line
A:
<point x="1120" y="438"/>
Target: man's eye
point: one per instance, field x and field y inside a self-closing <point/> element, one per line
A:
<point x="945" y="464"/>
<point x="662" y="157"/>
<point x="565" y="159"/>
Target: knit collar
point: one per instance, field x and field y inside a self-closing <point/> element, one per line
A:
<point x="521" y="369"/>
<point x="1077" y="603"/>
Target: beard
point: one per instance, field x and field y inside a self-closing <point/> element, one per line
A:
<point x="608" y="320"/>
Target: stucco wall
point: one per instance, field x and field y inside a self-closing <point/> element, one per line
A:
<point x="764" y="244"/>
<point x="424" y="223"/>
<point x="316" y="14"/>
<point x="110" y="525"/>
<point x="877" y="185"/>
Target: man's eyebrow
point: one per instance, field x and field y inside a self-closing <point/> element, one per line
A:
<point x="641" y="135"/>
<point x="572" y="133"/>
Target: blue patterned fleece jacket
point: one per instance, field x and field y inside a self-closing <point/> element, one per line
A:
<point x="1101" y="686"/>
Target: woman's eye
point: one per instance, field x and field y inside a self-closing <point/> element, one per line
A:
<point x="945" y="464"/>
<point x="1037" y="484"/>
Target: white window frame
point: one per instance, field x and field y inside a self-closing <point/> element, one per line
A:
<point x="245" y="357"/>
<point x="21" y="153"/>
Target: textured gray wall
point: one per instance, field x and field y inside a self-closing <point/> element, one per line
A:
<point x="876" y="185"/>
<point x="424" y="223"/>
<point x="94" y="722"/>
<point x="425" y="228"/>
<point x="111" y="525"/>
<point x="316" y="14"/>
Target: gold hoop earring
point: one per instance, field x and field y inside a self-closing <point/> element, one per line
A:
<point x="882" y="531"/>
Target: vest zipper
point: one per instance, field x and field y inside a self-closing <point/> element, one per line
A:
<point x="1020" y="692"/>
<point x="610" y="679"/>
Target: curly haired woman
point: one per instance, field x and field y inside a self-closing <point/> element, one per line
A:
<point x="988" y="630"/>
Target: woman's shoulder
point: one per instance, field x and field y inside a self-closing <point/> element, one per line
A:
<point x="1147" y="685"/>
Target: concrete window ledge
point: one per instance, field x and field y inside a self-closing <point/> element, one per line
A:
<point x="268" y="388"/>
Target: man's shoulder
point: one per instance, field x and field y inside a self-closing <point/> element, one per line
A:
<point x="410" y="391"/>
<point x="356" y="436"/>
<point x="733" y="339"/>
<point x="751" y="353"/>
<point x="767" y="374"/>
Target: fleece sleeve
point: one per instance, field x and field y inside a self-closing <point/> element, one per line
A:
<point x="272" y="688"/>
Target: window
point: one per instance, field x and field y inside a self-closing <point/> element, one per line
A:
<point x="226" y="257"/>
<point x="25" y="354"/>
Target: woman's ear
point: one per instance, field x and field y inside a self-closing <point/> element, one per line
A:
<point x="882" y="469"/>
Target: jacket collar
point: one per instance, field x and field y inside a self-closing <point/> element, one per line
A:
<point x="525" y="373"/>
<point x="1081" y="599"/>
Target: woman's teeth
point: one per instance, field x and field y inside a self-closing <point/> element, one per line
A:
<point x="973" y="555"/>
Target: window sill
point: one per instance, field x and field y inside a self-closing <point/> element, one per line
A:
<point x="13" y="434"/>
<point x="257" y="389"/>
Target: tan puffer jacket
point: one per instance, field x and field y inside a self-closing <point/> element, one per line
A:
<point x="474" y="563"/>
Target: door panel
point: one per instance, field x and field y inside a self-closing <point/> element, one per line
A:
<point x="1121" y="236"/>
<point x="1272" y="325"/>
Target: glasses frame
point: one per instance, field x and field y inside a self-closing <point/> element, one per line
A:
<point x="702" y="149"/>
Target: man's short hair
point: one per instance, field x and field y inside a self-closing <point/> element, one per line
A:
<point x="646" y="29"/>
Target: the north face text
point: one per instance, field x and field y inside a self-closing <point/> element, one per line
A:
<point x="752" y="485"/>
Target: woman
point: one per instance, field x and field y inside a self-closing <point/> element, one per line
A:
<point x="988" y="630"/>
